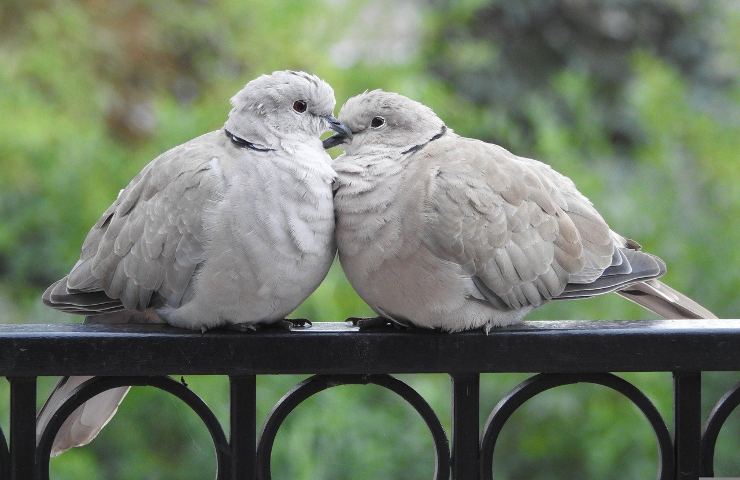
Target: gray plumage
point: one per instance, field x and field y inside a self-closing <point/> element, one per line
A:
<point x="233" y="227"/>
<point x="447" y="232"/>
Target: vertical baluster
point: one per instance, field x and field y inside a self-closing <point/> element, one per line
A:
<point x="687" y="415"/>
<point x="22" y="427"/>
<point x="4" y="458"/>
<point x="243" y="427"/>
<point x="465" y="426"/>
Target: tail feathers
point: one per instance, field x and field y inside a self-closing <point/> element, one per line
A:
<point x="86" y="422"/>
<point x="633" y="274"/>
<point x="659" y="298"/>
<point x="96" y="305"/>
<point x="628" y="267"/>
<point x="61" y="297"/>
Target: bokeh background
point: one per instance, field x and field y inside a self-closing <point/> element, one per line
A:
<point x="636" y="100"/>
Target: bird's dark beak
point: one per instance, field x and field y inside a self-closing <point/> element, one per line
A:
<point x="343" y="133"/>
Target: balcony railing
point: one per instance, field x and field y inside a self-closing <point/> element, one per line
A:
<point x="558" y="353"/>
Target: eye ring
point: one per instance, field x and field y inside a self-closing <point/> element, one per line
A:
<point x="299" y="106"/>
<point x="377" y="122"/>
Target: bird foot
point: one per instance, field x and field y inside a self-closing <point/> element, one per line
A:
<point x="291" y="323"/>
<point x="241" y="327"/>
<point x="287" y="324"/>
<point x="376" y="323"/>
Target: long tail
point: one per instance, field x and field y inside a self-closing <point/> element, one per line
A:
<point x="85" y="423"/>
<point x="88" y="420"/>
<point x="659" y="298"/>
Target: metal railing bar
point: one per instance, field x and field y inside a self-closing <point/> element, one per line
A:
<point x="243" y="431"/>
<point x="22" y="427"/>
<point x="465" y="426"/>
<point x="687" y="424"/>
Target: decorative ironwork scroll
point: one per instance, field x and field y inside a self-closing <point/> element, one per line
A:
<point x="318" y="383"/>
<point x="542" y="382"/>
<point x="717" y="418"/>
<point x="97" y="385"/>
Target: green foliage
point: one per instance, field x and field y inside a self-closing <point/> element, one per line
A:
<point x="636" y="101"/>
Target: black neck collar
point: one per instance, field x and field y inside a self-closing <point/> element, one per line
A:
<point x="416" y="148"/>
<point x="241" y="143"/>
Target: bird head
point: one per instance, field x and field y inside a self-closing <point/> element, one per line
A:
<point x="283" y="104"/>
<point x="384" y="121"/>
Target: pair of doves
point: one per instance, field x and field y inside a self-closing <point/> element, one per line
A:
<point x="433" y="230"/>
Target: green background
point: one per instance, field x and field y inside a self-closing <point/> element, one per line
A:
<point x="636" y="101"/>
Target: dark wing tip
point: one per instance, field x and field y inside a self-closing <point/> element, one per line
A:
<point x="633" y="266"/>
<point x="60" y="297"/>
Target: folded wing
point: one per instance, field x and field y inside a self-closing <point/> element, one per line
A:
<point x="522" y="231"/>
<point x="145" y="248"/>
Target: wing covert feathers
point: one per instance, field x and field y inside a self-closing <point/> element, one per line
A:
<point x="526" y="235"/>
<point x="149" y="242"/>
<point x="520" y="228"/>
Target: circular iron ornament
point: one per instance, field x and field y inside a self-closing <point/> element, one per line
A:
<point x="318" y="383"/>
<point x="542" y="382"/>
<point x="4" y="456"/>
<point x="96" y="385"/>
<point x="717" y="418"/>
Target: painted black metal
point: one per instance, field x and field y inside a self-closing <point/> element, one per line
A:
<point x="561" y="353"/>
<point x="465" y="426"/>
<point x="542" y="382"/>
<point x="717" y="418"/>
<point x="318" y="383"/>
<point x="243" y="431"/>
<point x="687" y="421"/>
<point x="98" y="385"/>
<point x="338" y="348"/>
<point x="22" y="427"/>
<point x="4" y="457"/>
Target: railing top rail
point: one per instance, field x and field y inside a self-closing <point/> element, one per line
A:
<point x="337" y="348"/>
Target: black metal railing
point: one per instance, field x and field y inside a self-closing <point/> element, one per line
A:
<point x="558" y="353"/>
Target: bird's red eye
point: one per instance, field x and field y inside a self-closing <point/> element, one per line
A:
<point x="299" y="106"/>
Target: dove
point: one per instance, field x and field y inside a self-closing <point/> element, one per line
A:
<point x="234" y="227"/>
<point x="435" y="230"/>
